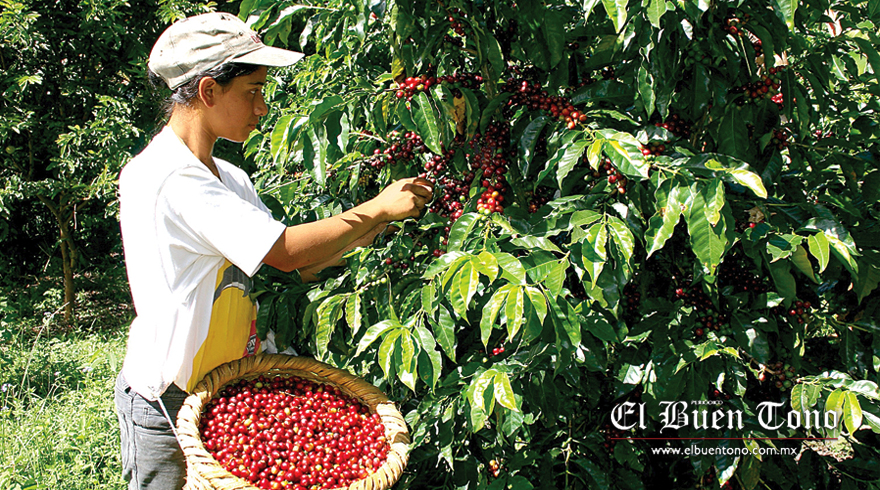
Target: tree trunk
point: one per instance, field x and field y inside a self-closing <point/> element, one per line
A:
<point x="68" y="251"/>
<point x="68" y="255"/>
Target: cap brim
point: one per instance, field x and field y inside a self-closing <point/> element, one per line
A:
<point x="270" y="56"/>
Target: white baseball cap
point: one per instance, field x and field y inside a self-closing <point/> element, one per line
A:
<point x="202" y="42"/>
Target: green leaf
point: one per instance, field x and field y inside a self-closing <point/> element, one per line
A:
<point x="566" y="158"/>
<point x="621" y="235"/>
<point x="819" y="248"/>
<point x="749" y="179"/>
<point x="646" y="89"/>
<point x="626" y="153"/>
<point x="504" y="392"/>
<point x="616" y="10"/>
<point x="801" y="399"/>
<point x="555" y="279"/>
<point x="444" y="332"/>
<point x="553" y="29"/>
<point x="565" y="319"/>
<point x="802" y="261"/>
<point x="279" y="139"/>
<point x="406" y="118"/>
<point x="426" y="340"/>
<point x="733" y="135"/>
<point x="473" y="115"/>
<point x="353" y="315"/>
<point x="491" y="107"/>
<point x="442" y="263"/>
<point x="490" y="313"/>
<point x="783" y="246"/>
<point x="426" y="120"/>
<point x="594" y="252"/>
<point x="386" y="351"/>
<point x="852" y="412"/>
<point x="460" y="230"/>
<point x="455" y="296"/>
<point x="537" y="302"/>
<point x="662" y="225"/>
<point x="406" y="370"/>
<point x="784" y="281"/>
<point x="329" y="313"/>
<point x="315" y="154"/>
<point x="869" y="275"/>
<point x="373" y="333"/>
<point x="511" y="268"/>
<point x="870" y="50"/>
<point x="486" y="263"/>
<point x="514" y="307"/>
<point x="468" y="282"/>
<point x="480" y="384"/>
<point x="528" y="141"/>
<point x="655" y="11"/>
<point x="708" y="242"/>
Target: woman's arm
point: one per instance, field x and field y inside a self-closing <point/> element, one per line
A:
<point x="308" y="244"/>
<point x="310" y="273"/>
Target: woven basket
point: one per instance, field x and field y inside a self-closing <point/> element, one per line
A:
<point x="205" y="473"/>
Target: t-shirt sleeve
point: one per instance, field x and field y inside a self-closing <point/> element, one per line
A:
<point x="201" y="215"/>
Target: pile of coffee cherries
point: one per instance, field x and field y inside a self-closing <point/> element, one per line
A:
<point x="293" y="434"/>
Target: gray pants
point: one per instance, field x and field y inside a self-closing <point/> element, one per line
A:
<point x="151" y="456"/>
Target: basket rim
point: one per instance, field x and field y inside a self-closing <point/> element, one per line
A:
<point x="203" y="468"/>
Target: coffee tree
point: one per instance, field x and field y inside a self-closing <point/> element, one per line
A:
<point x="636" y="203"/>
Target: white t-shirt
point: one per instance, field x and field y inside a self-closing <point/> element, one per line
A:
<point x="191" y="242"/>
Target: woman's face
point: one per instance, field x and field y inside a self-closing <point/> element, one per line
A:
<point x="238" y="106"/>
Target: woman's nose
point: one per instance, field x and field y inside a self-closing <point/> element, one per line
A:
<point x="260" y="108"/>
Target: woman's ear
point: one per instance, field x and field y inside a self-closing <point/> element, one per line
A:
<point x="208" y="91"/>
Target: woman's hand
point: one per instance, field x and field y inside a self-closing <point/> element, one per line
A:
<point x="404" y="198"/>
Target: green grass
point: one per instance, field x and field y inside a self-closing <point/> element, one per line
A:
<point x="58" y="427"/>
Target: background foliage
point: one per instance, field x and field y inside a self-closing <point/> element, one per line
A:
<point x="707" y="231"/>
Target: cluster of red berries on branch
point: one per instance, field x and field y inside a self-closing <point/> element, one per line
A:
<point x="495" y="468"/>
<point x="454" y="24"/>
<point x="703" y="308"/>
<point x="779" y="140"/>
<point x="765" y="88"/>
<point x="291" y="433"/>
<point x="612" y="435"/>
<point x="539" y="197"/>
<point x="490" y="201"/>
<point x="654" y="148"/>
<point x="716" y="394"/>
<point x="717" y="322"/>
<point x="734" y="273"/>
<point x="608" y="171"/>
<point x="779" y="374"/>
<point x="410" y="86"/>
<point x="532" y="96"/>
<point x="734" y="25"/>
<point x="401" y="147"/>
<point x="490" y="154"/>
<point x="676" y="125"/>
<point x="497" y="351"/>
<point x="799" y="312"/>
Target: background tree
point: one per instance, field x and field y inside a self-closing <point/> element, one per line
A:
<point x="637" y="201"/>
<point x="76" y="106"/>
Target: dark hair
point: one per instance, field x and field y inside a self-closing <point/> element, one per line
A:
<point x="186" y="93"/>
